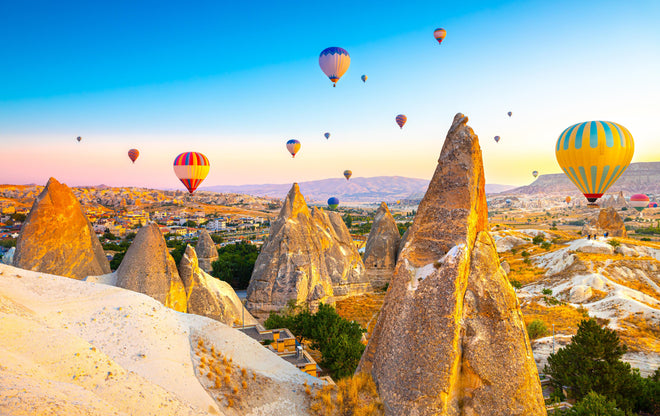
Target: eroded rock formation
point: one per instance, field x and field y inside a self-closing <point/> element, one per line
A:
<point x="208" y="296"/>
<point x="609" y="221"/>
<point x="450" y="338"/>
<point x="57" y="237"/>
<point x="309" y="258"/>
<point x="149" y="268"/>
<point x="206" y="251"/>
<point x="382" y="247"/>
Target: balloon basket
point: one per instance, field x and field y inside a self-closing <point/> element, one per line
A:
<point x="592" y="205"/>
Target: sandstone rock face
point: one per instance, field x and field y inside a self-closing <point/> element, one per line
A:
<point x="309" y="258"/>
<point x="149" y="268"/>
<point x="382" y="247"/>
<point x="206" y="251"/>
<point x="450" y="338"/>
<point x="208" y="296"/>
<point x="57" y="237"/>
<point x="610" y="221"/>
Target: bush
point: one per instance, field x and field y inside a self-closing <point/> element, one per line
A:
<point x="8" y="243"/>
<point x="614" y="243"/>
<point x="546" y="291"/>
<point x="594" y="404"/>
<point x="546" y="245"/>
<point x="538" y="239"/>
<point x="515" y="283"/>
<point x="536" y="329"/>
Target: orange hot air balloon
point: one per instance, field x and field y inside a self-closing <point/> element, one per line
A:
<point x="191" y="168"/>
<point x="401" y="120"/>
<point x="348" y="173"/>
<point x="439" y="35"/>
<point x="133" y="154"/>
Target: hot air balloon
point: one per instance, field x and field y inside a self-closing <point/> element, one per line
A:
<point x="401" y="120"/>
<point x="191" y="168"/>
<point x="508" y="201"/>
<point x="593" y="155"/>
<point x="639" y="201"/>
<point x="333" y="202"/>
<point x="535" y="173"/>
<point x="510" y="113"/>
<point x="327" y="135"/>
<point x="348" y="173"/>
<point x="439" y="35"/>
<point x="133" y="154"/>
<point x="293" y="146"/>
<point x="334" y="62"/>
<point x="653" y="204"/>
<point x="363" y="78"/>
<point x="568" y="199"/>
<point x="79" y="138"/>
<point x="497" y="139"/>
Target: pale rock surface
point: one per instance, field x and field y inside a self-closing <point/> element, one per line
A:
<point x="57" y="237"/>
<point x="78" y="348"/>
<point x="450" y="339"/>
<point x="149" y="268"/>
<point x="381" y="248"/>
<point x="206" y="251"/>
<point x="309" y="258"/>
<point x="208" y="296"/>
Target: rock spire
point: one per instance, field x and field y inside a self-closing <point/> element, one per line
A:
<point x="206" y="251"/>
<point x="450" y="338"/>
<point x="382" y="246"/>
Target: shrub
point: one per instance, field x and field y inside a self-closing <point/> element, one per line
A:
<point x="355" y="395"/>
<point x="515" y="283"/>
<point x="614" y="243"/>
<point x="536" y="329"/>
<point x="546" y="245"/>
<point x="538" y="239"/>
<point x="546" y="291"/>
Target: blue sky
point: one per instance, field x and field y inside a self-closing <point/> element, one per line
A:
<point x="236" y="80"/>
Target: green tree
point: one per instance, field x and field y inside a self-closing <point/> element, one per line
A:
<point x="190" y="223"/>
<point x="592" y="362"/>
<point x="9" y="242"/>
<point x="178" y="250"/>
<point x="538" y="239"/>
<point x="217" y="238"/>
<point x="403" y="228"/>
<point x="235" y="264"/>
<point x="116" y="260"/>
<point x="109" y="236"/>
<point x="19" y="217"/>
<point x="348" y="220"/>
<point x="593" y="404"/>
<point x="536" y="329"/>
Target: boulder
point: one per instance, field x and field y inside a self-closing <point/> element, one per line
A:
<point x="149" y="268"/>
<point x="208" y="296"/>
<point x="381" y="248"/>
<point x="609" y="221"/>
<point x="57" y="237"/>
<point x="580" y="294"/>
<point x="206" y="251"/>
<point x="508" y="242"/>
<point x="450" y="338"/>
<point x="309" y="258"/>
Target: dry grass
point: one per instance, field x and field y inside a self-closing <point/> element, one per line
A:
<point x="640" y="334"/>
<point x="362" y="309"/>
<point x="354" y="396"/>
<point x="565" y="318"/>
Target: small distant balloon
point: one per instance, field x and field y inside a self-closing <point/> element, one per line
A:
<point x="348" y="173"/>
<point x="363" y="78"/>
<point x="653" y="204"/>
<point x="639" y="201"/>
<point x="568" y="199"/>
<point x="401" y="120"/>
<point x="191" y="168"/>
<point x="535" y="173"/>
<point x="79" y="138"/>
<point x="133" y="154"/>
<point x="497" y="139"/>
<point x="327" y="135"/>
<point x="293" y="146"/>
<point x="508" y="202"/>
<point x="510" y="113"/>
<point x="333" y="202"/>
<point x="334" y="62"/>
<point x="439" y="35"/>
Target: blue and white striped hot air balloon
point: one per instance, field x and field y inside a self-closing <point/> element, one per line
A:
<point x="334" y="62"/>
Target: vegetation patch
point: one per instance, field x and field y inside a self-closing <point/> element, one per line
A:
<point x="356" y="396"/>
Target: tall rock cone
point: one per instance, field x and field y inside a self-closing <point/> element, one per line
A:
<point x="382" y="247"/>
<point x="149" y="268"/>
<point x="309" y="258"/>
<point x="57" y="237"/>
<point x="208" y="296"/>
<point x="450" y="338"/>
<point x="206" y="251"/>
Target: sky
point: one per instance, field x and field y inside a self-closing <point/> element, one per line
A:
<point x="236" y="80"/>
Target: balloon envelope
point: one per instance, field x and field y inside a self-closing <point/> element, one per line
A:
<point x="593" y="155"/>
<point x="639" y="201"/>
<point x="334" y="62"/>
<point x="568" y="199"/>
<point x="333" y="202"/>
<point x="510" y="113"/>
<point x="327" y="135"/>
<point x="535" y="173"/>
<point x="79" y="138"/>
<point x="439" y="34"/>
<point x="133" y="154"/>
<point x="363" y="78"/>
<point x="497" y="139"/>
<point x="191" y="168"/>
<point x="348" y="173"/>
<point x="653" y="205"/>
<point x="401" y="120"/>
<point x="293" y="146"/>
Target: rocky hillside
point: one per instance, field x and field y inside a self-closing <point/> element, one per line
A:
<point x="641" y="177"/>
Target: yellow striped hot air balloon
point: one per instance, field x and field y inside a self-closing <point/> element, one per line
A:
<point x="594" y="154"/>
<point x="191" y="168"/>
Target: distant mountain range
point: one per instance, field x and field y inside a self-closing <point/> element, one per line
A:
<point x="365" y="190"/>
<point x="640" y="177"/>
